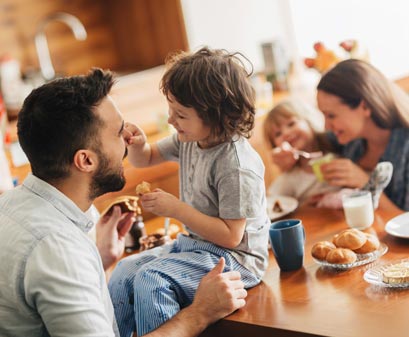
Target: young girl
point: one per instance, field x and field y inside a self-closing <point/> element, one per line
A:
<point x="222" y="195"/>
<point x="290" y="126"/>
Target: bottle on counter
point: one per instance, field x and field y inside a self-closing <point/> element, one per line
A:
<point x="6" y="181"/>
<point x="137" y="231"/>
<point x="11" y="84"/>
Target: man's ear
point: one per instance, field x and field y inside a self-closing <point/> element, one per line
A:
<point x="85" y="160"/>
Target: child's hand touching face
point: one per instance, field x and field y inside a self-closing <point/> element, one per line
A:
<point x="136" y="135"/>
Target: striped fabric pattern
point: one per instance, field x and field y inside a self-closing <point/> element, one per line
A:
<point x="149" y="288"/>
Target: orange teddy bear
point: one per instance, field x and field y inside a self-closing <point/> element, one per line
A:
<point x="324" y="59"/>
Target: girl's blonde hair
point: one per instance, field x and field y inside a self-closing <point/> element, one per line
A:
<point x="292" y="108"/>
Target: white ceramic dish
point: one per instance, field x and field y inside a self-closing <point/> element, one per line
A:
<point x="287" y="205"/>
<point x="361" y="259"/>
<point x="399" y="226"/>
<point x="374" y="276"/>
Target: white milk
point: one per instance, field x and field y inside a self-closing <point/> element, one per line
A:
<point x="358" y="209"/>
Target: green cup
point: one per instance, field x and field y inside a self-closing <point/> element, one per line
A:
<point x="316" y="165"/>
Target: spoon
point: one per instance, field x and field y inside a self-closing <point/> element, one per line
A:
<point x="298" y="153"/>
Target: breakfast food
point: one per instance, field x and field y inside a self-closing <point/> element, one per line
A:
<point x="152" y="240"/>
<point x="142" y="188"/>
<point x="341" y="256"/>
<point x="172" y="231"/>
<point x="321" y="249"/>
<point x="396" y="273"/>
<point x="372" y="243"/>
<point x="316" y="165"/>
<point x="127" y="203"/>
<point x="277" y="208"/>
<point x="346" y="247"/>
<point x="350" y="238"/>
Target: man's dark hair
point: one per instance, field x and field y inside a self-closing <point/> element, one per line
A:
<point x="57" y="119"/>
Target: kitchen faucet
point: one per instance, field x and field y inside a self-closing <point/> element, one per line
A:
<point x="41" y="44"/>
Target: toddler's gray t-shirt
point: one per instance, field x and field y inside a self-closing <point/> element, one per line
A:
<point x="225" y="181"/>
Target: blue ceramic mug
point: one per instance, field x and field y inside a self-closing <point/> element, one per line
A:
<point x="287" y="238"/>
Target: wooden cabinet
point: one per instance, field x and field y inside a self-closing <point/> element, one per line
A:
<point x="124" y="35"/>
<point x="145" y="31"/>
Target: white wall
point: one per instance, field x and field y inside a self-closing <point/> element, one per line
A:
<point x="242" y="25"/>
<point x="235" y="25"/>
<point x="382" y="25"/>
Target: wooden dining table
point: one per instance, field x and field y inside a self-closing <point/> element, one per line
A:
<point x="321" y="301"/>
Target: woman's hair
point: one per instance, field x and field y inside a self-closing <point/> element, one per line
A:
<point x="354" y="81"/>
<point x="292" y="108"/>
<point x="215" y="83"/>
<point x="57" y="119"/>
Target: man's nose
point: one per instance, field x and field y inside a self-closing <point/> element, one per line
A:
<point x="126" y="134"/>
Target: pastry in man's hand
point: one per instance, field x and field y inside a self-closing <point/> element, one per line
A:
<point x="350" y="238"/>
<point x="127" y="203"/>
<point x="321" y="249"/>
<point x="142" y="188"/>
<point x="341" y="256"/>
<point x="372" y="243"/>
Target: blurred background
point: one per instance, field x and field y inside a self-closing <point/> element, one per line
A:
<point x="131" y="35"/>
<point x="289" y="42"/>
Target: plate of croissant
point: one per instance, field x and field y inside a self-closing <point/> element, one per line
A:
<point x="348" y="249"/>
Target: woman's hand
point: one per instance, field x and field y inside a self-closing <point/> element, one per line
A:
<point x="343" y="172"/>
<point x="160" y="203"/>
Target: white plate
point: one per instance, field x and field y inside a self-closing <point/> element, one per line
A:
<point x="361" y="259"/>
<point x="374" y="276"/>
<point x="287" y="204"/>
<point x="399" y="226"/>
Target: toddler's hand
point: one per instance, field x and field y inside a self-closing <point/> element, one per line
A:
<point x="284" y="159"/>
<point x="160" y="203"/>
<point x="136" y="136"/>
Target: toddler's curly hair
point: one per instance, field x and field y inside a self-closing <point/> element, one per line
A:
<point x="216" y="84"/>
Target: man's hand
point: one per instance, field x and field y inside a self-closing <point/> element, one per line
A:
<point x="111" y="230"/>
<point x="219" y="294"/>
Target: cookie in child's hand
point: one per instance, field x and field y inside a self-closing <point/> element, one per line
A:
<point x="142" y="188"/>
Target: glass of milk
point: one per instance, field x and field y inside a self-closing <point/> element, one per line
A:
<point x="358" y="209"/>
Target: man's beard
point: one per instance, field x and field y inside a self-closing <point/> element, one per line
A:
<point x="105" y="178"/>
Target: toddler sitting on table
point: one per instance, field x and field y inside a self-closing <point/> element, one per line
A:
<point x="222" y="195"/>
